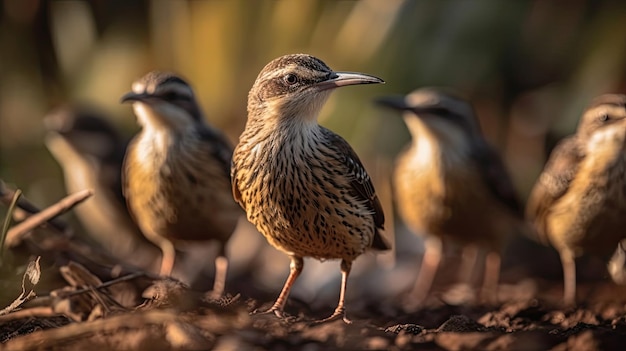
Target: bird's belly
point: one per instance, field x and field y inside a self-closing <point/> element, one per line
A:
<point x="591" y="216"/>
<point x="451" y="202"/>
<point x="420" y="195"/>
<point x="306" y="222"/>
<point x="165" y="202"/>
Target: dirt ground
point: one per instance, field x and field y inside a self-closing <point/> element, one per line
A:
<point x="76" y="297"/>
<point x="125" y="314"/>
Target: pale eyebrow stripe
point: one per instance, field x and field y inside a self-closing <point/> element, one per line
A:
<point x="277" y="73"/>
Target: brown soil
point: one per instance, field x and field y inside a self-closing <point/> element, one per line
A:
<point x="88" y="301"/>
<point x="175" y="317"/>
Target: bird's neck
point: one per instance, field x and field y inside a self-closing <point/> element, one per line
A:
<point x="280" y="127"/>
<point x="441" y="146"/>
<point x="270" y="139"/>
<point x="153" y="123"/>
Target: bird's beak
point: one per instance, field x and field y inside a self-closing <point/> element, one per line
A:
<point x="131" y="97"/>
<point x="395" y="102"/>
<point x="340" y="79"/>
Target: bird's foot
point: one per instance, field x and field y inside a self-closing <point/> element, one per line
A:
<point x="277" y="311"/>
<point x="222" y="300"/>
<point x="340" y="313"/>
<point x="213" y="295"/>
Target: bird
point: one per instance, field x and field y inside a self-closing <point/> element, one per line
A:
<point x="90" y="151"/>
<point x="578" y="204"/>
<point x="300" y="184"/>
<point x="449" y="183"/>
<point x="176" y="172"/>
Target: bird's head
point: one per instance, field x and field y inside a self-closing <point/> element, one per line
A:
<point x="604" y="121"/>
<point x="443" y="112"/>
<point x="164" y="100"/>
<point x="296" y="86"/>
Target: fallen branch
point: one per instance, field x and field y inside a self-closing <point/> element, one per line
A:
<point x="33" y="312"/>
<point x="15" y="234"/>
<point x="48" y="338"/>
<point x="7" y="195"/>
<point x="109" y="283"/>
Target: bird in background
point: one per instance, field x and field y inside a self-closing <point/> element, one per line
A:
<point x="177" y="172"/>
<point x="302" y="185"/>
<point x="90" y="151"/>
<point x="450" y="183"/>
<point x="578" y="204"/>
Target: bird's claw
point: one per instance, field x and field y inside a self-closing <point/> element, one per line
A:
<point x="338" y="314"/>
<point x="277" y="312"/>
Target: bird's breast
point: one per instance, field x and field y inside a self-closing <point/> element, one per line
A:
<point x="301" y="201"/>
<point x="440" y="191"/>
<point x="177" y="189"/>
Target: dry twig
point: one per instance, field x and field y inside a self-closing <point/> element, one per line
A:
<point x="7" y="195"/>
<point x="33" y="312"/>
<point x="14" y="236"/>
<point x="48" y="338"/>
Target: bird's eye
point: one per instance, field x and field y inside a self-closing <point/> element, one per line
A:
<point x="604" y="117"/>
<point x="290" y="79"/>
<point x="174" y="96"/>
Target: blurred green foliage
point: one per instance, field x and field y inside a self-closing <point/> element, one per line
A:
<point x="529" y="67"/>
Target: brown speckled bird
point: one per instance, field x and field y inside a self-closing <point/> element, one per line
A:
<point x="579" y="202"/>
<point x="177" y="171"/>
<point x="449" y="183"/>
<point x="302" y="185"/>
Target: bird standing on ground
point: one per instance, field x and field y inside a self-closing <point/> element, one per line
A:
<point x="302" y="185"/>
<point x="451" y="183"/>
<point x="90" y="151"/>
<point x="176" y="171"/>
<point x="579" y="202"/>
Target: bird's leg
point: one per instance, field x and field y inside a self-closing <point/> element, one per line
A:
<point x="221" y="267"/>
<point x="492" y="275"/>
<point x="295" y="268"/>
<point x="569" y="276"/>
<point x="469" y="260"/>
<point x="340" y="310"/>
<point x="426" y="275"/>
<point x="168" y="251"/>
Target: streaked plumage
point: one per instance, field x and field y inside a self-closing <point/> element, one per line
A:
<point x="579" y="202"/>
<point x="177" y="171"/>
<point x="303" y="186"/>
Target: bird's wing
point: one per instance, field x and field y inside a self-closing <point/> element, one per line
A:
<point x="235" y="187"/>
<point x="361" y="184"/>
<point x="497" y="177"/>
<point x="222" y="151"/>
<point x="220" y="148"/>
<point x="234" y="184"/>
<point x="553" y="183"/>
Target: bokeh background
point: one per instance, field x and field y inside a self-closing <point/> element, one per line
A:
<point x="529" y="68"/>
